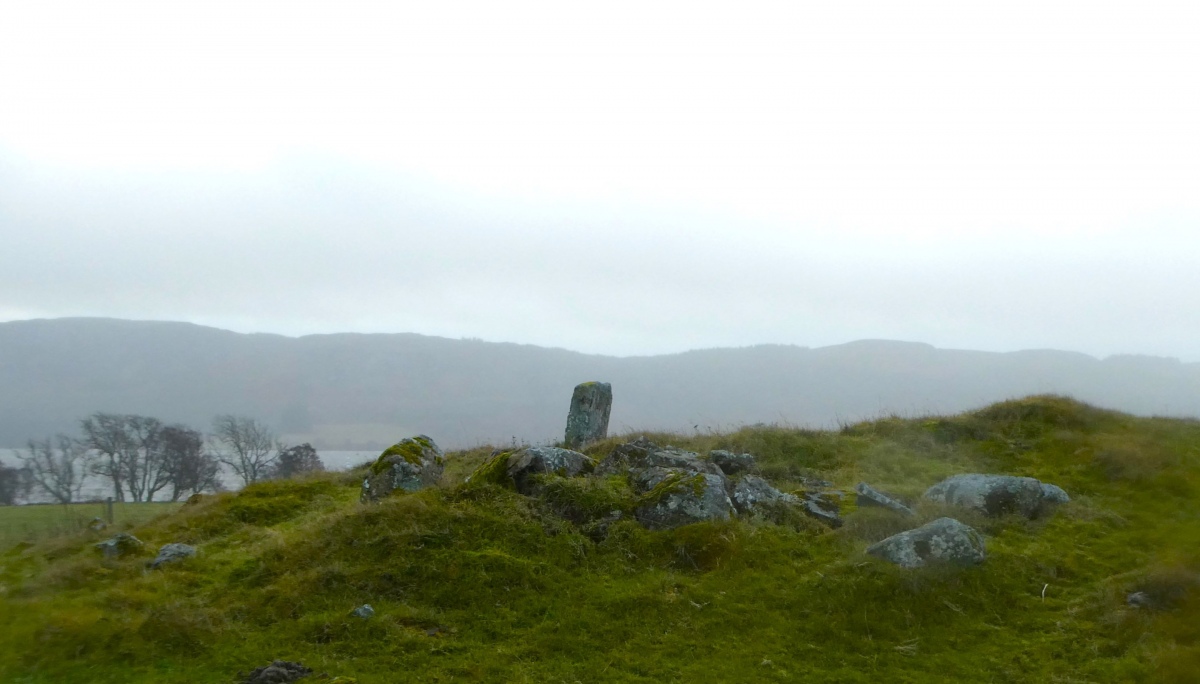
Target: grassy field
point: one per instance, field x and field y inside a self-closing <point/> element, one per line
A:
<point x="44" y="521"/>
<point x="474" y="582"/>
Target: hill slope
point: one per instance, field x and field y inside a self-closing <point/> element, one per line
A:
<point x="363" y="391"/>
<point x="474" y="582"/>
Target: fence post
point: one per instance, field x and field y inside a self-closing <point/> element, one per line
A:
<point x="108" y="513"/>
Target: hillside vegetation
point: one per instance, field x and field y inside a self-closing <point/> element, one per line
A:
<point x="475" y="582"/>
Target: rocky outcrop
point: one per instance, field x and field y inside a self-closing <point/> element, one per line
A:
<point x="996" y="495"/>
<point x="587" y="421"/>
<point x="731" y="463"/>
<point x="674" y="497"/>
<point x="409" y="465"/>
<point x="120" y="545"/>
<point x="523" y="465"/>
<point x="172" y="553"/>
<point x="944" y="540"/>
<point x="866" y="496"/>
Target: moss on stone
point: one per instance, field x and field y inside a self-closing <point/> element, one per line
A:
<point x="494" y="471"/>
<point x="675" y="483"/>
<point x="410" y="449"/>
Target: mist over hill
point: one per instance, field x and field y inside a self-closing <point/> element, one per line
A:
<point x="362" y="391"/>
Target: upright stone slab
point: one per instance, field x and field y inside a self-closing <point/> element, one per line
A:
<point x="588" y="420"/>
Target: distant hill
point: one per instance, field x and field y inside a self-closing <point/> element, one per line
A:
<point x="356" y="391"/>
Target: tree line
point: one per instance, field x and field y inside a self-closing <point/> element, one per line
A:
<point x="142" y="458"/>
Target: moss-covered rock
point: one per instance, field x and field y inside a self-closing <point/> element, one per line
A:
<point x="676" y="497"/>
<point x="410" y="464"/>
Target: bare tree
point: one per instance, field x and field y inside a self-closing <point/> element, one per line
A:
<point x="296" y="460"/>
<point x="56" y="467"/>
<point x="245" y="445"/>
<point x="130" y="453"/>
<point x="190" y="468"/>
<point x="105" y="433"/>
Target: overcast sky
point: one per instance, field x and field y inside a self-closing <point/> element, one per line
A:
<point x="621" y="178"/>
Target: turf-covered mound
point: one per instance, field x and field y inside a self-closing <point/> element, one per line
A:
<point x="479" y="582"/>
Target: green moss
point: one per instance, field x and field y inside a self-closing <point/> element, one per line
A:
<point x="493" y="471"/>
<point x="674" y="483"/>
<point x="411" y="449"/>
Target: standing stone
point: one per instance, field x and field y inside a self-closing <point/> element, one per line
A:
<point x="588" y="420"/>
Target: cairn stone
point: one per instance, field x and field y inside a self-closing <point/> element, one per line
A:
<point x="944" y="540"/>
<point x="869" y="496"/>
<point x="524" y="464"/>
<point x="731" y="463"/>
<point x="996" y="495"/>
<point x="411" y="464"/>
<point x="752" y="494"/>
<point x="172" y="553"/>
<point x="121" y="544"/>
<point x="587" y="422"/>
<point x="674" y="497"/>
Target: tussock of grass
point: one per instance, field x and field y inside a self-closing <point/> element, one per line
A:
<point x="479" y="583"/>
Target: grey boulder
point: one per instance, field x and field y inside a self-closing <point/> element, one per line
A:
<point x="523" y="465"/>
<point x="172" y="553"/>
<point x="640" y="454"/>
<point x="675" y="497"/>
<point x="996" y="495"/>
<point x="752" y="494"/>
<point x="866" y="495"/>
<point x="731" y="463"/>
<point x="120" y="544"/>
<point x="944" y="540"/>
<point x="363" y="612"/>
<point x="411" y="464"/>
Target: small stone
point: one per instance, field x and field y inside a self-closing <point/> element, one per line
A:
<point x="121" y="544"/>
<point x="97" y="525"/>
<point x="944" y="540"/>
<point x="172" y="553"/>
<point x="1139" y="599"/>
<point x="278" y="672"/>
<point x="365" y="612"/>
<point x="868" y="496"/>
<point x="731" y="463"/>
<point x="587" y="421"/>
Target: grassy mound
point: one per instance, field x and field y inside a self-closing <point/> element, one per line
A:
<point x="478" y="583"/>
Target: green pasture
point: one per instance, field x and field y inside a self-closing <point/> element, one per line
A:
<point x="38" y="522"/>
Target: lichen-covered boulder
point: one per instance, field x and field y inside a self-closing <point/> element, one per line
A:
<point x="587" y="420"/>
<point x="412" y="463"/>
<point x="172" y="553"/>
<point x="752" y="494"/>
<point x="731" y="463"/>
<point x="674" y="497"/>
<point x="866" y="496"/>
<point x="524" y="464"/>
<point x="996" y="495"/>
<point x="944" y="540"/>
<point x="120" y="544"/>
